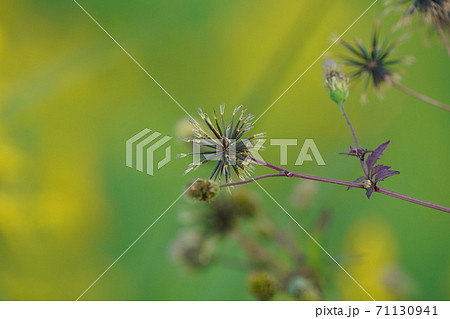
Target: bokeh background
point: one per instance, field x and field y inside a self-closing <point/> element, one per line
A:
<point x="70" y="98"/>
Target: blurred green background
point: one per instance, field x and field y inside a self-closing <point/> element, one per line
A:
<point x="70" y="98"/>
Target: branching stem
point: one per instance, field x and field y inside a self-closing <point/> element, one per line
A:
<point x="355" y="138"/>
<point x="286" y="173"/>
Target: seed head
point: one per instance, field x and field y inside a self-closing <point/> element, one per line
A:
<point x="375" y="64"/>
<point x="225" y="144"/>
<point x="203" y="190"/>
<point x="226" y="211"/>
<point x="244" y="204"/>
<point x="432" y="12"/>
<point x="262" y="285"/>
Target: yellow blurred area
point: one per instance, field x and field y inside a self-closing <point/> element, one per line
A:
<point x="37" y="224"/>
<point x="376" y="268"/>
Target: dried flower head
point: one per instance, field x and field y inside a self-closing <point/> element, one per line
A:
<point x="432" y="12"/>
<point x="244" y="203"/>
<point x="225" y="144"/>
<point x="262" y="285"/>
<point x="226" y="210"/>
<point x="335" y="82"/>
<point x="374" y="64"/>
<point x="202" y="190"/>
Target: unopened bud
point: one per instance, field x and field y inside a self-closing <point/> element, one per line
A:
<point x="335" y="82"/>
<point x="367" y="184"/>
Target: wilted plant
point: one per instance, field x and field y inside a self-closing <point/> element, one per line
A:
<point x="225" y="144"/>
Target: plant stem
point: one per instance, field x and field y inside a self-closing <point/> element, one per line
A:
<point x="420" y="96"/>
<point x="355" y="139"/>
<point x="443" y="36"/>
<point x="412" y="199"/>
<point x="286" y="173"/>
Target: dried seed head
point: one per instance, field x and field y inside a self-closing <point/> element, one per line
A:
<point x="433" y="12"/>
<point x="335" y="82"/>
<point x="226" y="210"/>
<point x="374" y="63"/>
<point x="262" y="285"/>
<point x="224" y="143"/>
<point x="244" y="203"/>
<point x="203" y="190"/>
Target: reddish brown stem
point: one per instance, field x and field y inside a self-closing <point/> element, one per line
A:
<point x="286" y="173"/>
<point x="412" y="200"/>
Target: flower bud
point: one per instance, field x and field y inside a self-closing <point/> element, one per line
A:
<point x="335" y="82"/>
<point x="367" y="184"/>
<point x="203" y="190"/>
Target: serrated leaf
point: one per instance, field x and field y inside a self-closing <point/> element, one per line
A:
<point x="381" y="176"/>
<point x="375" y="155"/>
